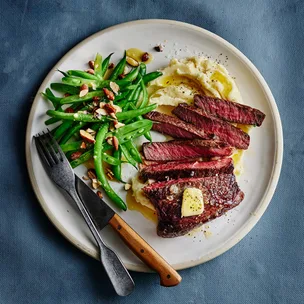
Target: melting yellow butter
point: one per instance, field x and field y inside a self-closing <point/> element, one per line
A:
<point x="193" y="202"/>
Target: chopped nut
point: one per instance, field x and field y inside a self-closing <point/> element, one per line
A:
<point x="109" y="94"/>
<point x="91" y="64"/>
<point x="126" y="70"/>
<point x="67" y="94"/>
<point x="76" y="155"/>
<point x="100" y="112"/>
<point x="90" y="71"/>
<point x="109" y="176"/>
<point x="87" y="136"/>
<point x="69" y="110"/>
<point x="99" y="194"/>
<point x="101" y="104"/>
<point x="84" y="90"/>
<point x="110" y="140"/>
<point x="115" y="143"/>
<point x="117" y="108"/>
<point x="109" y="107"/>
<point x="145" y="57"/>
<point x="95" y="183"/>
<point x="93" y="85"/>
<point x="159" y="48"/>
<point x="83" y="145"/>
<point x="85" y="178"/>
<point x="92" y="132"/>
<point x="132" y="61"/>
<point x="118" y="124"/>
<point x="113" y="115"/>
<point x="92" y="174"/>
<point x="110" y="172"/>
<point x="111" y="65"/>
<point x="121" y="76"/>
<point x="127" y="187"/>
<point x="114" y="87"/>
<point x="96" y="98"/>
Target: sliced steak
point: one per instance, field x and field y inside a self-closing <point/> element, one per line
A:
<point x="213" y="125"/>
<point x="230" y="111"/>
<point x="174" y="126"/>
<point x="221" y="193"/>
<point x="185" y="149"/>
<point x="175" y="170"/>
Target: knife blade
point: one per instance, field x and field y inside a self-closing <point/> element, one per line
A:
<point x="102" y="215"/>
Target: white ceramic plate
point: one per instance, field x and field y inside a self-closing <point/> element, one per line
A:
<point x="262" y="160"/>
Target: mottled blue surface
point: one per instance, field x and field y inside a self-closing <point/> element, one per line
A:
<point x="37" y="265"/>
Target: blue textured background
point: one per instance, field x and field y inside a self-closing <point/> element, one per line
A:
<point x="37" y="265"/>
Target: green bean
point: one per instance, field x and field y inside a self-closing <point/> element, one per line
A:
<point x="145" y="99"/>
<point x="82" y="159"/>
<point x="131" y="127"/>
<point x="53" y="120"/>
<point x="63" y="73"/>
<point x="134" y="113"/>
<point x="53" y="99"/>
<point x="110" y="160"/>
<point x="128" y="156"/>
<point x="77" y="82"/>
<point x="132" y="75"/>
<point x="98" y="66"/>
<point x="71" y="132"/>
<point x="62" y="129"/>
<point x="71" y="146"/>
<point x="142" y="69"/>
<point x="76" y="98"/>
<point x="105" y="65"/>
<point x="133" y="151"/>
<point x="118" y="70"/>
<point x="120" y="96"/>
<point x="64" y="88"/>
<point x="116" y="169"/>
<point x="151" y="76"/>
<point x="100" y="137"/>
<point x="82" y="74"/>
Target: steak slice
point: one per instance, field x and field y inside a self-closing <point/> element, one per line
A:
<point x="173" y="170"/>
<point x="174" y="126"/>
<point x="185" y="149"/>
<point x="221" y="193"/>
<point x="212" y="125"/>
<point x="230" y="111"/>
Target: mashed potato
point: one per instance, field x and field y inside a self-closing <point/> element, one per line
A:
<point x="181" y="80"/>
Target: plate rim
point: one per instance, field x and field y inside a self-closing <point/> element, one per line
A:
<point x="276" y="170"/>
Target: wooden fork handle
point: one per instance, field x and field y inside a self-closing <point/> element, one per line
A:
<point x="168" y="276"/>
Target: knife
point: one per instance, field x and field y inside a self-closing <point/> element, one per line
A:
<point x="102" y="215"/>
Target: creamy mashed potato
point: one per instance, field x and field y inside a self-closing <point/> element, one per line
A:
<point x="181" y="80"/>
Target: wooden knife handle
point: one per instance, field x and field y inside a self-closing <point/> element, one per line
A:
<point x="168" y="276"/>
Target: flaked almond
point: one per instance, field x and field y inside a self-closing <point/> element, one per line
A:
<point x="127" y="187"/>
<point x="69" y="110"/>
<point x="101" y="104"/>
<point x="110" y="141"/>
<point x="83" y="145"/>
<point x="109" y="108"/>
<point x="99" y="194"/>
<point x="87" y="136"/>
<point x="113" y="115"/>
<point x="115" y="143"/>
<point x="117" y="108"/>
<point x="92" y="174"/>
<point x="85" y="178"/>
<point x="92" y="132"/>
<point x="84" y="90"/>
<point x="91" y="64"/>
<point x="111" y="65"/>
<point x="114" y="87"/>
<point x="145" y="57"/>
<point x="118" y="124"/>
<point x="131" y="61"/>
<point x="95" y="183"/>
<point x="98" y="113"/>
<point x="75" y="155"/>
<point x="126" y="70"/>
<point x="90" y="71"/>
<point x="93" y="85"/>
<point x="109" y="94"/>
<point x="67" y="94"/>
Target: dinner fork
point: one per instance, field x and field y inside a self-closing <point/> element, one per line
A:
<point x="60" y="171"/>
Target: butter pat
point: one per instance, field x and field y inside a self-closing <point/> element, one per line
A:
<point x="193" y="202"/>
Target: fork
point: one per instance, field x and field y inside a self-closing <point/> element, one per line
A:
<point x="60" y="171"/>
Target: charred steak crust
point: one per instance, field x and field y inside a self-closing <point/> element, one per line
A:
<point x="168" y="171"/>
<point x="229" y="111"/>
<point x="213" y="125"/>
<point x="174" y="126"/>
<point x="185" y="149"/>
<point x="221" y="193"/>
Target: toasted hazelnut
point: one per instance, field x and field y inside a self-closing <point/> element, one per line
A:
<point x="84" y="90"/>
<point x="76" y="155"/>
<point x="115" y="143"/>
<point x="99" y="194"/>
<point x="67" y="94"/>
<point x="92" y="174"/>
<point x="111" y="65"/>
<point x="91" y="64"/>
<point x="109" y="94"/>
<point x="159" y="48"/>
<point x="114" y="87"/>
<point x="118" y="124"/>
<point x="87" y="136"/>
<point x="145" y="57"/>
<point x="83" y="145"/>
<point x="90" y="71"/>
<point x="69" y="110"/>
<point x="127" y="187"/>
<point x="132" y="61"/>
